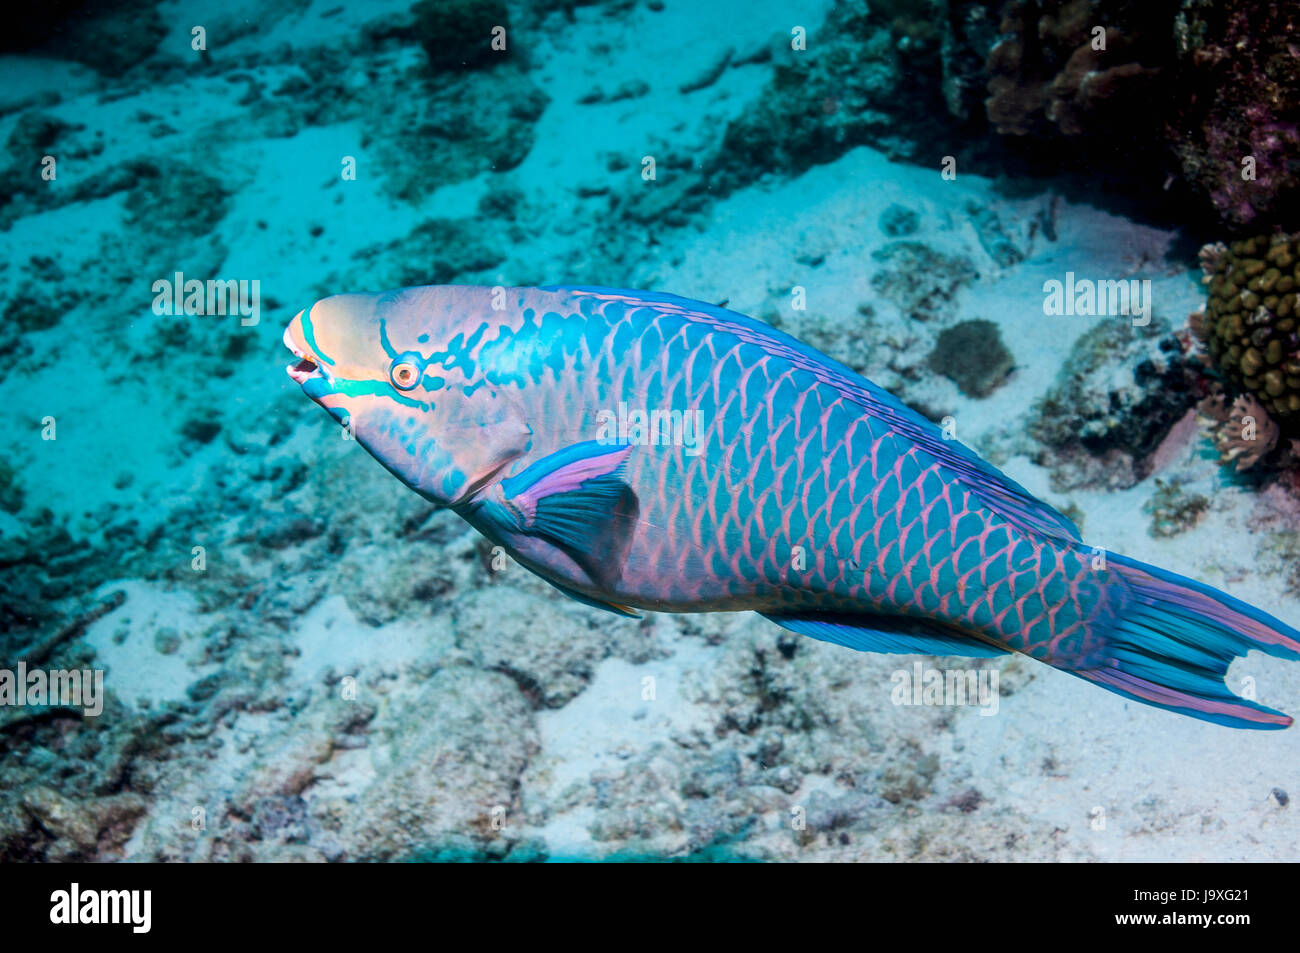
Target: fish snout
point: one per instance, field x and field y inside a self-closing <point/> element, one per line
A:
<point x="308" y="364"/>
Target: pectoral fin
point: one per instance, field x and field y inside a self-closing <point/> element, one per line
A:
<point x="575" y="498"/>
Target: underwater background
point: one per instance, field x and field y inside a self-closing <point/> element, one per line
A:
<point x="303" y="660"/>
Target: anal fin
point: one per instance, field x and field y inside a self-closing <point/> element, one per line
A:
<point x="894" y="635"/>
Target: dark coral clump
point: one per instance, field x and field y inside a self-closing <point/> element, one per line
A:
<point x="973" y="356"/>
<point x="1082" y="66"/>
<point x="1207" y="90"/>
<point x="458" y="34"/>
<point x="111" y="36"/>
<point x="1236" y="127"/>
<point x="1115" y="399"/>
<point x="1250" y="321"/>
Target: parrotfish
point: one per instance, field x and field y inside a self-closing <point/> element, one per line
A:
<point x="638" y="450"/>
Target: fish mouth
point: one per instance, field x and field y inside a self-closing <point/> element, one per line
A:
<point x="307" y="367"/>
<point x="302" y="371"/>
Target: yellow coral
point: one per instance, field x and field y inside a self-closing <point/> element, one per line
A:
<point x="1251" y="322"/>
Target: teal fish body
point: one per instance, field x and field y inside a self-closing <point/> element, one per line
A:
<point x="640" y="450"/>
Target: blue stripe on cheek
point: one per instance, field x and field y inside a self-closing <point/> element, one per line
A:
<point x="383" y="338"/>
<point x="309" y="333"/>
<point x="378" y="389"/>
<point x="316" y="387"/>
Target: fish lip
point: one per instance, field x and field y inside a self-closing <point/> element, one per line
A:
<point x="302" y="371"/>
<point x="308" y="365"/>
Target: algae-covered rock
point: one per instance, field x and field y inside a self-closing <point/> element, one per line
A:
<point x="918" y="279"/>
<point x="868" y="76"/>
<point x="455" y="126"/>
<point x="169" y="195"/>
<point x="447" y="777"/>
<point x="973" y="355"/>
<point x="548" y="650"/>
<point x="898" y="220"/>
<point x="111" y="36"/>
<point x="1235" y="127"/>
<point x="437" y="251"/>
<point x="1120" y="391"/>
<point x="1174" y="510"/>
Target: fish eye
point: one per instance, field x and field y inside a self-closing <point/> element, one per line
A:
<point x="404" y="374"/>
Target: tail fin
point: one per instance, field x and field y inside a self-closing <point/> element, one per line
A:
<point x="1171" y="640"/>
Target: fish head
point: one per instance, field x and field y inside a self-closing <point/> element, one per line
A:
<point x="397" y="369"/>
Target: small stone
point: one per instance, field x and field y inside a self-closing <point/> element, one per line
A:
<point x="167" y="640"/>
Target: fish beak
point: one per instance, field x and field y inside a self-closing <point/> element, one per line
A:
<point x="307" y="366"/>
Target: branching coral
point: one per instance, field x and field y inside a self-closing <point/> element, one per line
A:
<point x="1210" y="256"/>
<point x="1244" y="434"/>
